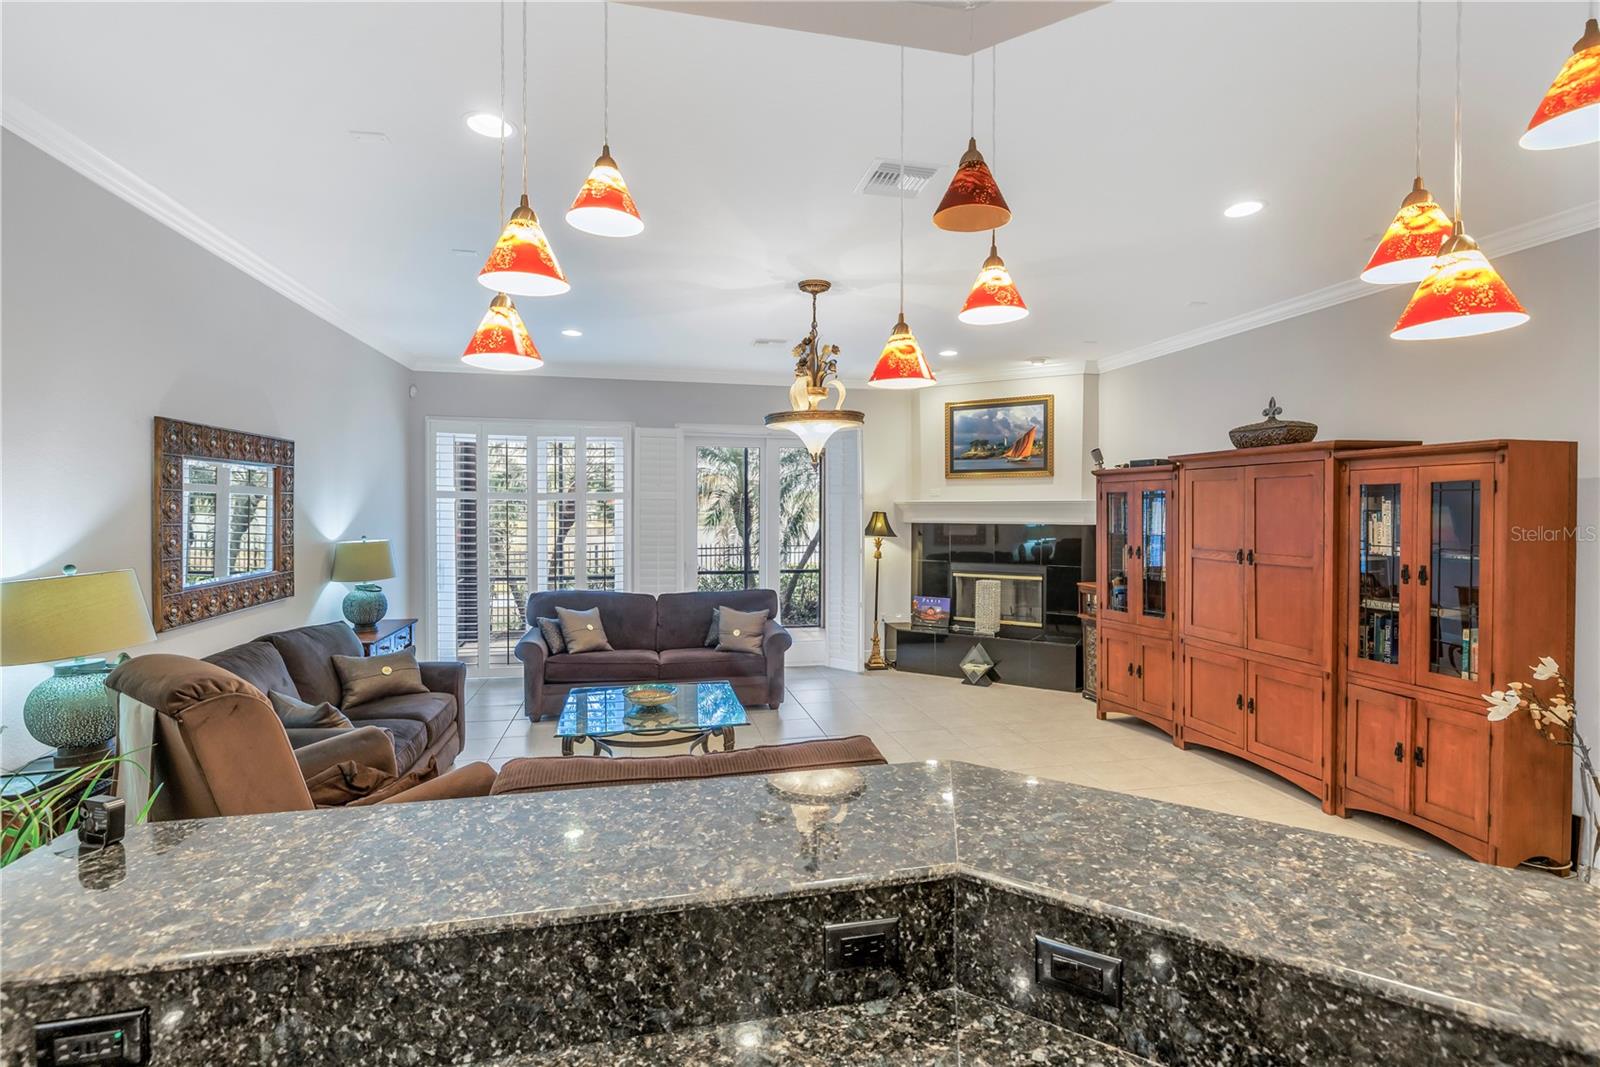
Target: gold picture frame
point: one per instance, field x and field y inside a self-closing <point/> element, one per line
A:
<point x="998" y="462"/>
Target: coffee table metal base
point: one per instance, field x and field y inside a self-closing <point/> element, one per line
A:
<point x="700" y="739"/>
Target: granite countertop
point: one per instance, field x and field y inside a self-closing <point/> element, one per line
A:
<point x="940" y="1029"/>
<point x="1508" y="947"/>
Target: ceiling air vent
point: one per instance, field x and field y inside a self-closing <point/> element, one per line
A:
<point x="883" y="178"/>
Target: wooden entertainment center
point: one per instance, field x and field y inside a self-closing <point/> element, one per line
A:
<point x="1333" y="611"/>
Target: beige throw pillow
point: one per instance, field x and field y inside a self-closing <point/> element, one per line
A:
<point x="583" y="630"/>
<point x="740" y="631"/>
<point x="366" y="678"/>
<point x="296" y="714"/>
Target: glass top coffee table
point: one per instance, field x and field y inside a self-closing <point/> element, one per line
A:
<point x="650" y="715"/>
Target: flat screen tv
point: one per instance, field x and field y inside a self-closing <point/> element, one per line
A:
<point x="930" y="612"/>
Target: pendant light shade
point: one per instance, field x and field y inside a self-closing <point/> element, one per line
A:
<point x="1412" y="241"/>
<point x="994" y="298"/>
<point x="814" y="427"/>
<point x="603" y="206"/>
<point x="1569" y="114"/>
<point x="815" y="376"/>
<point x="902" y="365"/>
<point x="1462" y="295"/>
<point x="502" y="341"/>
<point x="522" y="263"/>
<point x="973" y="202"/>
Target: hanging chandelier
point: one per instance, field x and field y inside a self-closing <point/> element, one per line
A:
<point x="604" y="207"/>
<point x="1463" y="294"/>
<point x="901" y="364"/>
<point x="994" y="298"/>
<point x="502" y="342"/>
<point x="1569" y="114"/>
<point x="1409" y="246"/>
<point x="816" y="370"/>
<point x="972" y="203"/>
<point x="522" y="261"/>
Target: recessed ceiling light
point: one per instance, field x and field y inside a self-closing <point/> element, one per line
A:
<point x="489" y="124"/>
<point x="1198" y="303"/>
<point x="569" y="332"/>
<point x="1039" y="361"/>
<point x="948" y="352"/>
<point x="1243" y="209"/>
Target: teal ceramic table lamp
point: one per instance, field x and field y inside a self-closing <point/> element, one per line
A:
<point x="365" y="563"/>
<point x="67" y="617"/>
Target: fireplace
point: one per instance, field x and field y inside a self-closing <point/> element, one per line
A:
<point x="1021" y="593"/>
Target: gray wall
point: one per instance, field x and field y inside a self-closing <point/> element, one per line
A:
<point x="1338" y="368"/>
<point x="110" y="319"/>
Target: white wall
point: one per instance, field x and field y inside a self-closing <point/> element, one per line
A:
<point x="1338" y="368"/>
<point x="110" y="319"/>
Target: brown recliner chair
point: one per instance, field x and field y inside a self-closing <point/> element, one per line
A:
<point x="216" y="747"/>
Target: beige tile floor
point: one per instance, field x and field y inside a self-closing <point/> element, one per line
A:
<point x="1034" y="731"/>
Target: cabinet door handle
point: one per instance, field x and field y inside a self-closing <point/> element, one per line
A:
<point x="1138" y="551"/>
<point x="1238" y="701"/>
<point x="1250" y="557"/>
<point x="1140" y="670"/>
<point x="1130" y="670"/>
<point x="1422" y="574"/>
<point x="1238" y="556"/>
<point x="1405" y="574"/>
<point x="1127" y="551"/>
<point x="1417" y="755"/>
<point x="1399" y="751"/>
<point x="1250" y="705"/>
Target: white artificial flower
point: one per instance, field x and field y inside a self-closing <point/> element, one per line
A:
<point x="1545" y="669"/>
<point x="1502" y="704"/>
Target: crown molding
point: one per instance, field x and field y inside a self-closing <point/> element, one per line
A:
<point x="1501" y="243"/>
<point x="80" y="156"/>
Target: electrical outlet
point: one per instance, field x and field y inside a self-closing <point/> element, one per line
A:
<point x="852" y="946"/>
<point x="120" y="1038"/>
<point x="1057" y="965"/>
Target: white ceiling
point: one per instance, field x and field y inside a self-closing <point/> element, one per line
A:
<point x="1123" y="133"/>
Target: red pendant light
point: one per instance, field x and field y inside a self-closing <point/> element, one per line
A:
<point x="1569" y="114"/>
<point x="994" y="298"/>
<point x="604" y="207"/>
<point x="1463" y="295"/>
<point x="901" y="364"/>
<point x="522" y="262"/>
<point x="501" y="341"/>
<point x="972" y="203"/>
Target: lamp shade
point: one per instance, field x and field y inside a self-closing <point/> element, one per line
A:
<point x="362" y="561"/>
<point x="1569" y="114"/>
<point x="501" y="341"/>
<point x="1462" y="295"/>
<point x="816" y="425"/>
<point x="972" y="202"/>
<point x="1409" y="246"/>
<point x="994" y="298"/>
<point x="521" y="262"/>
<point x="604" y="207"/>
<point x="902" y="365"/>
<point x="878" y="526"/>
<point x="71" y="614"/>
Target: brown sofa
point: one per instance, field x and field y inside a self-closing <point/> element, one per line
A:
<point x="540" y="774"/>
<point x="426" y="727"/>
<point x="653" y="638"/>
<point x="216" y="747"/>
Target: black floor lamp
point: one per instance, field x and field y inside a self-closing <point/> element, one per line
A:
<point x="877" y="528"/>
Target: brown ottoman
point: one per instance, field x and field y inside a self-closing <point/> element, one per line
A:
<point x="538" y="774"/>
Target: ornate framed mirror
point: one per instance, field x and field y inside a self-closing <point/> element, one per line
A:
<point x="224" y="522"/>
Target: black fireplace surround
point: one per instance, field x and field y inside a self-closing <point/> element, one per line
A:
<point x="1039" y="650"/>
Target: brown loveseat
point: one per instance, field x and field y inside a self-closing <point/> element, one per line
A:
<point x="653" y="638"/>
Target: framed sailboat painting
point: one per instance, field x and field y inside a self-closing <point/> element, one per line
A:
<point x="1012" y="437"/>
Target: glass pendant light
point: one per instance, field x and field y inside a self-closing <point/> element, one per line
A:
<point x="816" y="370"/>
<point x="972" y="203"/>
<point x="901" y="364"/>
<point x="1409" y="246"/>
<point x="1569" y="114"/>
<point x="522" y="262"/>
<point x="994" y="298"/>
<point x="1463" y="294"/>
<point x="501" y="341"/>
<point x="604" y="207"/>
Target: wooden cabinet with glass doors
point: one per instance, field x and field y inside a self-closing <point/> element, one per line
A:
<point x="1458" y="575"/>
<point x="1136" y="593"/>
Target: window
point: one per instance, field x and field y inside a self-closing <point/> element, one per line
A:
<point x="227" y="518"/>
<point x="736" y="482"/>
<point x="519" y="507"/>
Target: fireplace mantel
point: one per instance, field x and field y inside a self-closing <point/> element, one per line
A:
<point x="1079" y="512"/>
